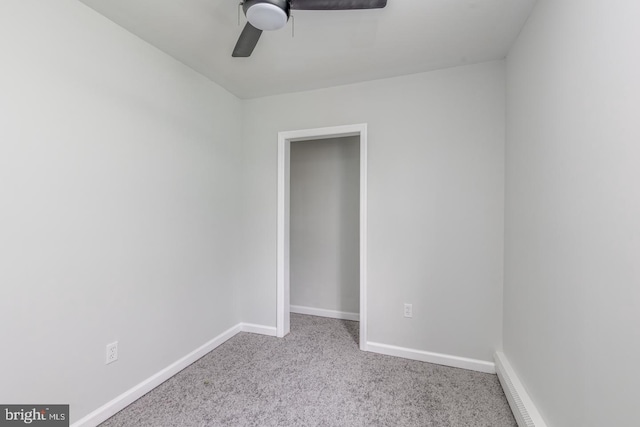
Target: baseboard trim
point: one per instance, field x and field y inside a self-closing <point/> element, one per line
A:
<point x="258" y="329"/>
<point x="523" y="408"/>
<point x="128" y="397"/>
<point x="334" y="314"/>
<point x="437" y="358"/>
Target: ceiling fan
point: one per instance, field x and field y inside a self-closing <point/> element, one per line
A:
<point x="268" y="15"/>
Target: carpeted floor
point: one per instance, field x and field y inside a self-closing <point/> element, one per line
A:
<point x="317" y="376"/>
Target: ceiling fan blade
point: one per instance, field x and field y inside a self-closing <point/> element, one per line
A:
<point x="247" y="41"/>
<point x="337" y="4"/>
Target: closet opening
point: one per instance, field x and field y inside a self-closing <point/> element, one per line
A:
<point x="322" y="213"/>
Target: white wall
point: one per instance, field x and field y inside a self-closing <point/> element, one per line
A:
<point x="572" y="284"/>
<point x="119" y="171"/>
<point x="325" y="224"/>
<point x="436" y="159"/>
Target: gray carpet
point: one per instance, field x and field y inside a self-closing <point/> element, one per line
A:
<point x="317" y="376"/>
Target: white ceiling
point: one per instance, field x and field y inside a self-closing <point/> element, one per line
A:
<point x="330" y="47"/>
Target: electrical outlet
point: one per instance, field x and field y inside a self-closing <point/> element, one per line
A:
<point x="112" y="352"/>
<point x="408" y="310"/>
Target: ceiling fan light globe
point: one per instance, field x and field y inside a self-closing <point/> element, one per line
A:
<point x="266" y="17"/>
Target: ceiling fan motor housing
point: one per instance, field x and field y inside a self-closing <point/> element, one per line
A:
<point x="267" y="15"/>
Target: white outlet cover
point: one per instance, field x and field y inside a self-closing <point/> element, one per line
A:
<point x="112" y="352"/>
<point x="408" y="310"/>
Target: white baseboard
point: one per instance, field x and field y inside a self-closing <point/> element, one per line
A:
<point x="437" y="358"/>
<point x="119" y="403"/>
<point x="325" y="313"/>
<point x="523" y="408"/>
<point x="258" y="329"/>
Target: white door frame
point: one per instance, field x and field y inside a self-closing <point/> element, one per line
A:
<point x="284" y="164"/>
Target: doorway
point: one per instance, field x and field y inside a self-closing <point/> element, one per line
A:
<point x="283" y="304"/>
<point x="324" y="231"/>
